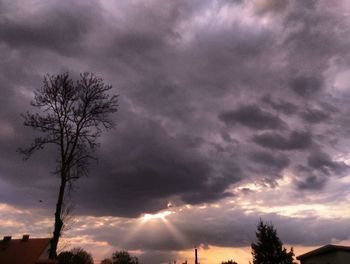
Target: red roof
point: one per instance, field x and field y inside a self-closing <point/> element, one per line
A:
<point x="18" y="251"/>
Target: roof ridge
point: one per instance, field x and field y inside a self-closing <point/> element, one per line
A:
<point x="323" y="249"/>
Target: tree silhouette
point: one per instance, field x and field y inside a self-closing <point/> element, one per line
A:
<point x="106" y="261"/>
<point x="65" y="257"/>
<point x="75" y="256"/>
<point x="269" y="248"/>
<point x="123" y="257"/>
<point x="71" y="117"/>
<point x="229" y="262"/>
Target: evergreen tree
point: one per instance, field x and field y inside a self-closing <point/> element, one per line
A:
<point x="269" y="249"/>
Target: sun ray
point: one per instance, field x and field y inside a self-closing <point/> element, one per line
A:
<point x="176" y="233"/>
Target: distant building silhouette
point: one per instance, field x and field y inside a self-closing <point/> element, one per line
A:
<point x="329" y="254"/>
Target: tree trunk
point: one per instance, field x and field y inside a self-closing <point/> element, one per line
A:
<point x="58" y="220"/>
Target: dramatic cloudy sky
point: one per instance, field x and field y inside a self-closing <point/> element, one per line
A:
<point x="230" y="111"/>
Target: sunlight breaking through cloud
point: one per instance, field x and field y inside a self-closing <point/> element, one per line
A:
<point x="158" y="216"/>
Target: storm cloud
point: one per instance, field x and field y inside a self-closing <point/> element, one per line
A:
<point x="253" y="117"/>
<point x="216" y="97"/>
<point x="297" y="140"/>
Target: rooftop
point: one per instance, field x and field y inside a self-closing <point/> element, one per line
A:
<point x="22" y="251"/>
<point x="322" y="250"/>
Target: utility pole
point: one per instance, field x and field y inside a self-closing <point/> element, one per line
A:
<point x="195" y="256"/>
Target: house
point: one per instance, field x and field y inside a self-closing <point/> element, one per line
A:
<point x="25" y="250"/>
<point x="329" y="254"/>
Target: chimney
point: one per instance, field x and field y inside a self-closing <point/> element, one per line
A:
<point x="7" y="239"/>
<point x="25" y="238"/>
<point x="196" y="257"/>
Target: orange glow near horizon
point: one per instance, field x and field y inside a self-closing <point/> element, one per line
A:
<point x="102" y="249"/>
<point x="214" y="255"/>
<point x="210" y="255"/>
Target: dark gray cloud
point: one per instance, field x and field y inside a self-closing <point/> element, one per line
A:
<point x="280" y="105"/>
<point x="173" y="81"/>
<point x="323" y="162"/>
<point x="320" y="168"/>
<point x="253" y="117"/>
<point x="314" y="115"/>
<point x="296" y="140"/>
<point x="309" y="179"/>
<point x="306" y="86"/>
<point x="278" y="161"/>
<point x="198" y="85"/>
<point x="59" y="27"/>
<point x="142" y="171"/>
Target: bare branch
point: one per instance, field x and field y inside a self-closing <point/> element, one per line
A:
<point x="72" y="116"/>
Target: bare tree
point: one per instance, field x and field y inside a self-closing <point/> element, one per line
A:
<point x="71" y="116"/>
